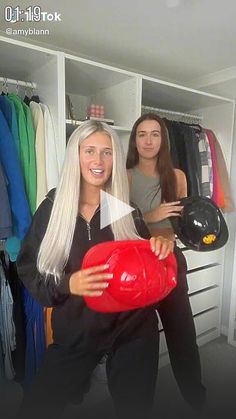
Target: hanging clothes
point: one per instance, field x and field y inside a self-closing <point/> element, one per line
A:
<point x="7" y="327"/>
<point x="16" y="191"/>
<point x="5" y="210"/>
<point x="184" y="142"/>
<point x="193" y="159"/>
<point x="227" y="202"/>
<point x="197" y="152"/>
<point x="18" y="355"/>
<point x="8" y="109"/>
<point x="172" y="143"/>
<point x="27" y="148"/>
<point x="35" y="336"/>
<point x="38" y="121"/>
<point x="218" y="193"/>
<point x="210" y="166"/>
<point x="2" y="368"/>
<point x="32" y="182"/>
<point x="21" y="120"/>
<point x="51" y="152"/>
<point x="205" y="170"/>
<point x="28" y="353"/>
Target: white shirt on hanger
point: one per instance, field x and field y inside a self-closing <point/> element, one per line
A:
<point x="40" y="151"/>
<point x="51" y="152"/>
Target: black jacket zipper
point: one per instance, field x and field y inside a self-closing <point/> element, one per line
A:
<point x="88" y="224"/>
<point x="89" y="230"/>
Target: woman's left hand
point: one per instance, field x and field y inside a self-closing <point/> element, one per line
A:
<point x="161" y="246"/>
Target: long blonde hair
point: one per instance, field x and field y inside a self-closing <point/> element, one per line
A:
<point x="56" y="244"/>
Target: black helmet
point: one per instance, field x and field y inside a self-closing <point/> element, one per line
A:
<point x="201" y="225"/>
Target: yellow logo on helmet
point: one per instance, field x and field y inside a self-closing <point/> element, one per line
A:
<point x="209" y="239"/>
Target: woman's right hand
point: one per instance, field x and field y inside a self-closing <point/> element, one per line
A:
<point x="90" y="282"/>
<point x="167" y="209"/>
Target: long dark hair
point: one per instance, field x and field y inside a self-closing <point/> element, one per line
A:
<point x="164" y="163"/>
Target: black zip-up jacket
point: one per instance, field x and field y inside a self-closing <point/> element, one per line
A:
<point x="73" y="323"/>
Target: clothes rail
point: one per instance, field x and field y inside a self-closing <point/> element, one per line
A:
<point x="172" y="113"/>
<point x="28" y="84"/>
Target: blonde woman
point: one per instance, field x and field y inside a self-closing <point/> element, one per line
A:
<point x="65" y="226"/>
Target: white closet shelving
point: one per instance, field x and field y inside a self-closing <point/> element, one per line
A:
<point x="87" y="82"/>
<point x="224" y="83"/>
<point x="232" y="311"/>
<point x="21" y="61"/>
<point x="123" y="94"/>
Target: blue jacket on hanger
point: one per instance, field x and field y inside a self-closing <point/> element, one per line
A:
<point x="9" y="112"/>
<point x="16" y="191"/>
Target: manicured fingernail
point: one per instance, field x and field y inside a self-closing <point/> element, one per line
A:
<point x="157" y="252"/>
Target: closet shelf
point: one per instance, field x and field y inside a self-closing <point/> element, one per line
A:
<point x="70" y="122"/>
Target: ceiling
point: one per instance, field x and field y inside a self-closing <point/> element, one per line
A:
<point x="176" y="40"/>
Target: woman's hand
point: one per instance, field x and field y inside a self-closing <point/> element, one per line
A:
<point x="165" y="210"/>
<point x="90" y="282"/>
<point x="161" y="246"/>
<point x="168" y="209"/>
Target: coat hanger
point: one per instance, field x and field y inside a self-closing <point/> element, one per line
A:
<point x="34" y="97"/>
<point x="4" y="86"/>
<point x="17" y="87"/>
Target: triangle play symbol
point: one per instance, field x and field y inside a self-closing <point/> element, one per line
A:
<point x="112" y="209"/>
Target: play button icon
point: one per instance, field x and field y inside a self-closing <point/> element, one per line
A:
<point x="112" y="209"/>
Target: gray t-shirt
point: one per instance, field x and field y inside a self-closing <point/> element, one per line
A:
<point x="145" y="192"/>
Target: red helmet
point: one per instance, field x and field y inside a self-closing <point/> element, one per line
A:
<point x="139" y="277"/>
